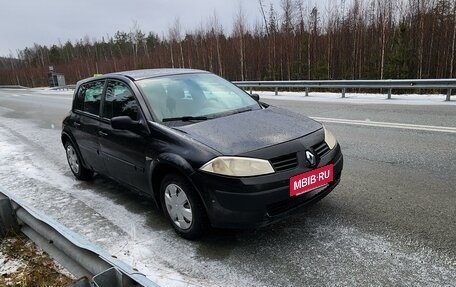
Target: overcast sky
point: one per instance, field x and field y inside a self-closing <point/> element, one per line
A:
<point x="46" y="22"/>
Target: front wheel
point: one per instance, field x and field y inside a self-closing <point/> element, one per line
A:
<point x="75" y="163"/>
<point x="182" y="206"/>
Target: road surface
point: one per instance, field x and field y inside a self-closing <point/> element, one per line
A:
<point x="390" y="222"/>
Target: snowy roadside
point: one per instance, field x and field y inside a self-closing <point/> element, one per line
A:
<point x="35" y="169"/>
<point x="359" y="98"/>
<point x="350" y="98"/>
<point x="52" y="91"/>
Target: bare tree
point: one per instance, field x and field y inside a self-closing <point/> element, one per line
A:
<point x="313" y="23"/>
<point x="453" y="42"/>
<point x="239" y="33"/>
<point x="175" y="38"/>
<point x="384" y="17"/>
<point x="260" y="3"/>
<point x="217" y="32"/>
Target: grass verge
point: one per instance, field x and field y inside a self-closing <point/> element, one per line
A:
<point x="23" y="264"/>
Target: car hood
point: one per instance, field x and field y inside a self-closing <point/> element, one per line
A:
<point x="244" y="132"/>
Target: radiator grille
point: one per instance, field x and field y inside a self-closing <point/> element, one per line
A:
<point x="321" y="149"/>
<point x="284" y="162"/>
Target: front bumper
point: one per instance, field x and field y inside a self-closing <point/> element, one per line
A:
<point x="260" y="200"/>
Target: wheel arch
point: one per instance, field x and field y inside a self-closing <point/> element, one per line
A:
<point x="171" y="163"/>
<point x="66" y="137"/>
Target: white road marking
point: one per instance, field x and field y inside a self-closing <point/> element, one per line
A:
<point x="387" y="125"/>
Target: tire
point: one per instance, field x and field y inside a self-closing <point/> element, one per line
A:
<point x="75" y="163"/>
<point x="183" y="207"/>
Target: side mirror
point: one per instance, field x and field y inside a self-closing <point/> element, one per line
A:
<point x="256" y="97"/>
<point x="124" y="123"/>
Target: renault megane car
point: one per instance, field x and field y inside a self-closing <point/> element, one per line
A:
<point x="204" y="150"/>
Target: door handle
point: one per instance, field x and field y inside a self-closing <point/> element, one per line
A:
<point x="76" y="124"/>
<point x="103" y="134"/>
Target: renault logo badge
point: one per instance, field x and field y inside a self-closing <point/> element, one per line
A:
<point x="311" y="158"/>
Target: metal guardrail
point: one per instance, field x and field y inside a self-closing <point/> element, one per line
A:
<point x="12" y="87"/>
<point x="66" y="87"/>
<point x="82" y="258"/>
<point x="443" y="84"/>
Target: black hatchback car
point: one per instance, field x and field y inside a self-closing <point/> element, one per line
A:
<point x="207" y="152"/>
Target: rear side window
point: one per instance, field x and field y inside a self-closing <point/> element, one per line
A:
<point x="89" y="97"/>
<point x="120" y="101"/>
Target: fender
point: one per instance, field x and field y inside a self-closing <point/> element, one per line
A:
<point x="169" y="159"/>
<point x="174" y="161"/>
<point x="66" y="134"/>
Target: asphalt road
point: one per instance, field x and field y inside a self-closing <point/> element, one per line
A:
<point x="391" y="221"/>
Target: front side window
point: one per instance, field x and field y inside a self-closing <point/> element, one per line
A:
<point x="89" y="97"/>
<point x="119" y="101"/>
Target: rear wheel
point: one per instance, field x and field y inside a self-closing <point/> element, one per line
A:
<point x="75" y="163"/>
<point x="182" y="206"/>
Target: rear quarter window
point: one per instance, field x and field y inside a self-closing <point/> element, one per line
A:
<point x="88" y="97"/>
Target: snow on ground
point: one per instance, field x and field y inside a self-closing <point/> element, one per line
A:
<point x="9" y="265"/>
<point x="360" y="98"/>
<point x="352" y="98"/>
<point x="52" y="91"/>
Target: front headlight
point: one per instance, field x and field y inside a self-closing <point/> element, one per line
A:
<point x="330" y="139"/>
<point x="238" y="166"/>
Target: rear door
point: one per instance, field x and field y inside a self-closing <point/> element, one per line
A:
<point x="85" y="123"/>
<point x="123" y="151"/>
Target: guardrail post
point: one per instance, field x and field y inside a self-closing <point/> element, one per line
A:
<point x="389" y="94"/>
<point x="251" y="92"/>
<point x="276" y="91"/>
<point x="343" y="92"/>
<point x="111" y="277"/>
<point x="448" y="97"/>
<point x="307" y="92"/>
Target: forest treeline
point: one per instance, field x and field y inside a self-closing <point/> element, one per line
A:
<point x="370" y="39"/>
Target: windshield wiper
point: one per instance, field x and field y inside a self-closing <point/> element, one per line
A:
<point x="185" y="119"/>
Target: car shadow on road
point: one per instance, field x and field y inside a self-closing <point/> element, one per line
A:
<point x="132" y="201"/>
<point x="216" y="244"/>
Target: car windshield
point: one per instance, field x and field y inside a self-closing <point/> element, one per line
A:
<point x="197" y="96"/>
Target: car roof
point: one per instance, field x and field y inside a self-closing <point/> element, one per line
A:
<point x="152" y="73"/>
<point x="135" y="75"/>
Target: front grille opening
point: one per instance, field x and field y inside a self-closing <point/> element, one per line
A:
<point x="284" y="162"/>
<point x="293" y="202"/>
<point x="321" y="149"/>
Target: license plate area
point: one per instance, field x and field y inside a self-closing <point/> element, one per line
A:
<point x="311" y="180"/>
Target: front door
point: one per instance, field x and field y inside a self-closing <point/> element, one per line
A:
<point x="123" y="151"/>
